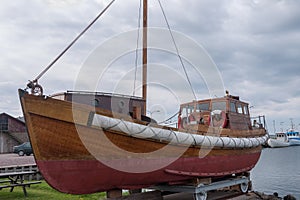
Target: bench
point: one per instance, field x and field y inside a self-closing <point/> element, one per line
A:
<point x="17" y="179"/>
<point x="5" y="181"/>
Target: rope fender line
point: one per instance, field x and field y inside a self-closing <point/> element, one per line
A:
<point x="142" y="131"/>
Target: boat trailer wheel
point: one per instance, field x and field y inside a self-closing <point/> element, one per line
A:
<point x="200" y="196"/>
<point x="244" y="187"/>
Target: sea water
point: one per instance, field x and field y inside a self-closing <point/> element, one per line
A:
<point x="278" y="170"/>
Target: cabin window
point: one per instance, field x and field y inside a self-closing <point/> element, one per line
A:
<point x="246" y="110"/>
<point x="187" y="110"/>
<point x="27" y="145"/>
<point x="220" y="105"/>
<point x="232" y="107"/>
<point x="202" y="106"/>
<point x="239" y="108"/>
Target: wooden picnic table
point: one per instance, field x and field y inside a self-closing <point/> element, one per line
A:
<point x="17" y="179"/>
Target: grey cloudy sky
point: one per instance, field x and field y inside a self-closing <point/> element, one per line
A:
<point x="254" y="43"/>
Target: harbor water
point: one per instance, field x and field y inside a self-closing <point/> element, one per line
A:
<point x="278" y="170"/>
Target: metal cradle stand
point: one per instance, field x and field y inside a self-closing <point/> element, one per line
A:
<point x="200" y="191"/>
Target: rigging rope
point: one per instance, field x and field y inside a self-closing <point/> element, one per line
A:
<point x="177" y="50"/>
<point x="137" y="47"/>
<point x="169" y="118"/>
<point x="71" y="44"/>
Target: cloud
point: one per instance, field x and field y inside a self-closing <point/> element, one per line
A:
<point x="254" y="43"/>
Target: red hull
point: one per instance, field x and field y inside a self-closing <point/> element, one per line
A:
<point x="89" y="176"/>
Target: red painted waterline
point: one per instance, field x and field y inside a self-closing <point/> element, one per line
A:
<point x="90" y="176"/>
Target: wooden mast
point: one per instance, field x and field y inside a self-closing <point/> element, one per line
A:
<point x="145" y="52"/>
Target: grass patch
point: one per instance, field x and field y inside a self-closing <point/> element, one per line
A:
<point x="44" y="192"/>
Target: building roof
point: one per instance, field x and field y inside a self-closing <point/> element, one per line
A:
<point x="19" y="119"/>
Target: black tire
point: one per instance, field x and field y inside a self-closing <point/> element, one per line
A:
<point x="21" y="153"/>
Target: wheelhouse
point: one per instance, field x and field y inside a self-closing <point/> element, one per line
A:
<point x="227" y="112"/>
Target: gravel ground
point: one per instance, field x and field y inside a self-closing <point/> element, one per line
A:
<point x="15" y="159"/>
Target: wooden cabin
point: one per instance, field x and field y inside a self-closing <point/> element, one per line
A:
<point x="227" y="112"/>
<point x="117" y="103"/>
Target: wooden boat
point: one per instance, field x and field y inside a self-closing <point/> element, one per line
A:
<point x="86" y="142"/>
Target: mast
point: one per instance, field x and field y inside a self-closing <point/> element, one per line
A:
<point x="145" y="52"/>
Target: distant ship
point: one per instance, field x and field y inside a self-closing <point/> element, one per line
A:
<point x="280" y="140"/>
<point x="293" y="137"/>
<point x="289" y="138"/>
<point x="70" y="135"/>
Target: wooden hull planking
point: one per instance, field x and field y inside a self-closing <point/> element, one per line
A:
<point x="73" y="157"/>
